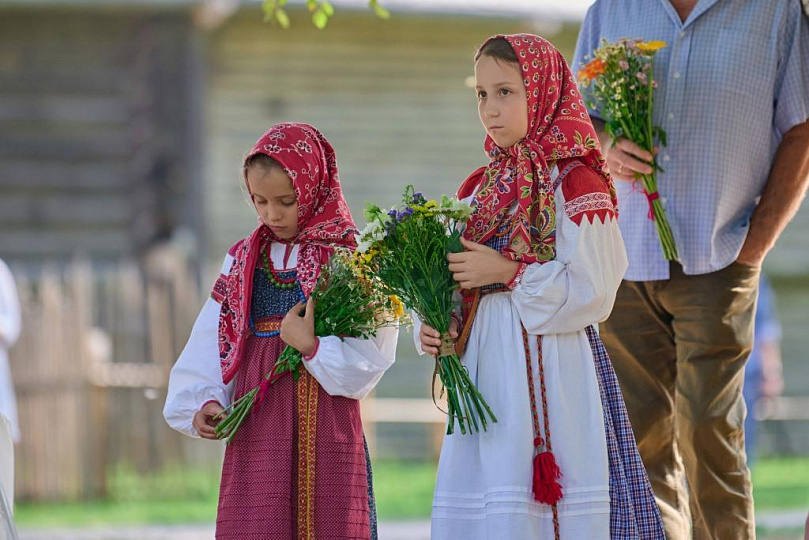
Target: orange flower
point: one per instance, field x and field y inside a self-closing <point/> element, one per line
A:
<point x="592" y="69"/>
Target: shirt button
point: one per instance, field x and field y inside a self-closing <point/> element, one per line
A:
<point x="666" y="157"/>
<point x="671" y="116"/>
<point x="676" y="74"/>
<point x="682" y="34"/>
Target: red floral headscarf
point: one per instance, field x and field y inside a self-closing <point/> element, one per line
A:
<point x="559" y="132"/>
<point x="324" y="222"/>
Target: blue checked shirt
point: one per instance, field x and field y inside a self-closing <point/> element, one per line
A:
<point x="733" y="79"/>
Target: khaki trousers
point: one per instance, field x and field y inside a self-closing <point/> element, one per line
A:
<point x="679" y="348"/>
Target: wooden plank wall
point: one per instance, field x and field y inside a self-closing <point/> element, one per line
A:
<point x="391" y="96"/>
<point x="92" y="113"/>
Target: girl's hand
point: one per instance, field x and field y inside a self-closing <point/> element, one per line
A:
<point x="480" y="265"/>
<point x="203" y="420"/>
<point x="299" y="331"/>
<point x="431" y="339"/>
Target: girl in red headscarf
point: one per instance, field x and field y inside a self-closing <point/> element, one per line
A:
<point x="299" y="466"/>
<point x="542" y="264"/>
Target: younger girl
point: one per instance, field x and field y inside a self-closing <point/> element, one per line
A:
<point x="298" y="466"/>
<point x="543" y="261"/>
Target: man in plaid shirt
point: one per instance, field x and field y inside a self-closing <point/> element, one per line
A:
<point x="733" y="97"/>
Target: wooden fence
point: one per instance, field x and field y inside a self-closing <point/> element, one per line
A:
<point x="90" y="371"/>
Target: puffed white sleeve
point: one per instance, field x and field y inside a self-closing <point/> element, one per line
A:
<point x="352" y="367"/>
<point x="196" y="377"/>
<point x="577" y="288"/>
<point x="10" y="318"/>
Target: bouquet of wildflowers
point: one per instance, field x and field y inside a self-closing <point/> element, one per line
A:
<point x="349" y="302"/>
<point x="619" y="81"/>
<point x="407" y="246"/>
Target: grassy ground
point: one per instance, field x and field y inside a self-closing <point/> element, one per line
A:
<point x="403" y="490"/>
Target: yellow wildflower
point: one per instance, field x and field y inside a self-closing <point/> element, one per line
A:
<point x="651" y="46"/>
<point x="398" y="306"/>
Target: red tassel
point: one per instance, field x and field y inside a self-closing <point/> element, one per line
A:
<point x="546" y="487"/>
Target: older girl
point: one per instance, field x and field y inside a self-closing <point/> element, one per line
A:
<point x="543" y="260"/>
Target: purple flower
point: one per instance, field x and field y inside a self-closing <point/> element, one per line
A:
<point x="641" y="77"/>
<point x="418" y="198"/>
<point x="624" y="65"/>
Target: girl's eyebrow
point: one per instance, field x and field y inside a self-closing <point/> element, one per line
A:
<point x="503" y="83"/>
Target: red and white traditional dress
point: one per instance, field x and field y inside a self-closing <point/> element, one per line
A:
<point x="298" y="467"/>
<point x="530" y="345"/>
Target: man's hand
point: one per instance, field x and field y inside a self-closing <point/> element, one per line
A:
<point x="480" y="265"/>
<point x="626" y="158"/>
<point x="203" y="420"/>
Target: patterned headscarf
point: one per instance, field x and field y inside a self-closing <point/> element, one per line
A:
<point x="559" y="132"/>
<point x="324" y="222"/>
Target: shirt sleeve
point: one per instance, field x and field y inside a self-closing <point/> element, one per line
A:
<point x="196" y="377"/>
<point x="576" y="289"/>
<point x="10" y="318"/>
<point x="792" y="79"/>
<point x="352" y="367"/>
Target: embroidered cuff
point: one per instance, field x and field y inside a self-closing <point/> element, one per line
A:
<point x="517" y="276"/>
<point x="308" y="357"/>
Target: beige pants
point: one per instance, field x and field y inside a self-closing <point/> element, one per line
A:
<point x="679" y="348"/>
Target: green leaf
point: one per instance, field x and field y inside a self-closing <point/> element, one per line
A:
<point x="282" y="18"/>
<point x="380" y="11"/>
<point x="268" y="7"/>
<point x="311" y="5"/>
<point x="327" y="8"/>
<point x="454" y="244"/>
<point x="320" y="19"/>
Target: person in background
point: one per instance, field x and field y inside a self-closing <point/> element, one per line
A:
<point x="10" y="325"/>
<point x="763" y="373"/>
<point x="733" y="99"/>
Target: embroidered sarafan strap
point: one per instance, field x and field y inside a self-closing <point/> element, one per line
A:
<point x="546" y="473"/>
<point x="307" y="390"/>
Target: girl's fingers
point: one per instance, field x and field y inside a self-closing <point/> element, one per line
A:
<point x="429" y="331"/>
<point x="310" y="308"/>
<point x="457" y="257"/>
<point x="206" y="431"/>
<point x="298" y="308"/>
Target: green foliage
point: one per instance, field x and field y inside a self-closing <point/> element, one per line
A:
<point x="320" y="10"/>
<point x="408" y="245"/>
<point x="619" y="82"/>
<point x="347" y="303"/>
<point x="403" y="491"/>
